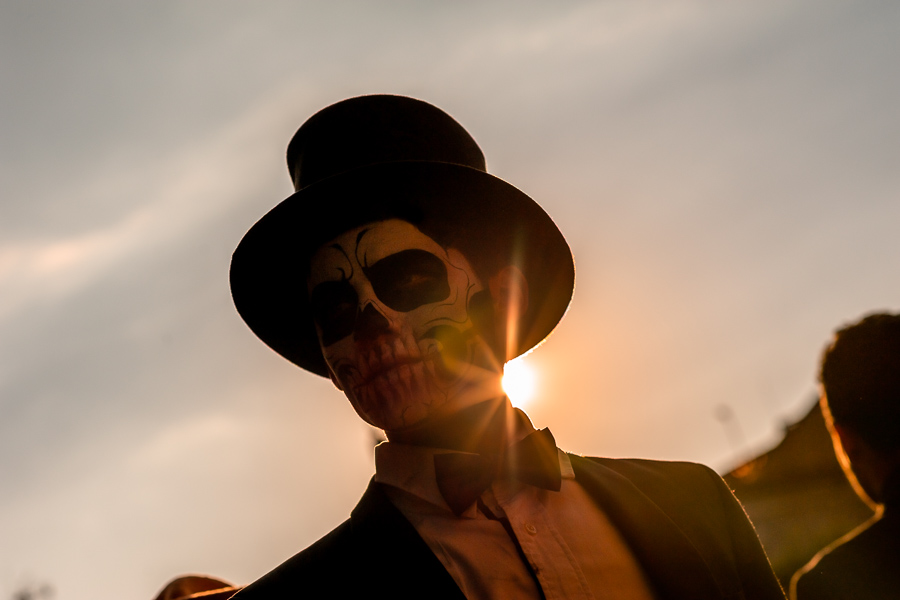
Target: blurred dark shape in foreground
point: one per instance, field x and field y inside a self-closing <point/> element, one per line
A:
<point x="196" y="587"/>
<point x="797" y="495"/>
<point x="43" y="591"/>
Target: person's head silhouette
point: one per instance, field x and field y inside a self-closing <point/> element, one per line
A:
<point x="860" y="385"/>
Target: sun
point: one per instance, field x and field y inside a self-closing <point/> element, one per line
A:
<point x="519" y="382"/>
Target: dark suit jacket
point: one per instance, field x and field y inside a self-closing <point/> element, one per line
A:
<point x="866" y="565"/>
<point x="862" y="564"/>
<point x="681" y="521"/>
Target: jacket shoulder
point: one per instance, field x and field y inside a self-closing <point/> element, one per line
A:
<point x="861" y="564"/>
<point x="320" y="566"/>
<point x="698" y="503"/>
<point x="692" y="494"/>
<point x="376" y="553"/>
<point x="649" y="466"/>
<point x="658" y="476"/>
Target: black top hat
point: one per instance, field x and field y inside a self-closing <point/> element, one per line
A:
<point x="377" y="157"/>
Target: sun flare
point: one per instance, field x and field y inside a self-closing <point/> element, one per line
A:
<point x="519" y="382"/>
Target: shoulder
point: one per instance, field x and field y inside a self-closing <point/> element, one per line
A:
<point x="692" y="495"/>
<point x="324" y="561"/>
<point x="328" y="561"/>
<point x="860" y="564"/>
<point x="686" y="508"/>
<point x="376" y="545"/>
<point x="679" y="488"/>
<point x="651" y="468"/>
<point x="655" y="477"/>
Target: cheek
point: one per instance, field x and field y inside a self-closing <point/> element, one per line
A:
<point x="452" y="311"/>
<point x="422" y="319"/>
<point x="339" y="354"/>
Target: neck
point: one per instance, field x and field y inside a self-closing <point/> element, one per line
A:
<point x="485" y="427"/>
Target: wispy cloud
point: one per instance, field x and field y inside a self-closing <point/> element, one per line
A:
<point x="172" y="199"/>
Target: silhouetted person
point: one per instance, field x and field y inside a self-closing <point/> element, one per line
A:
<point x="860" y="397"/>
<point x="408" y="275"/>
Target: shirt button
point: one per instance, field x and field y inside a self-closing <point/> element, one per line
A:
<point x="530" y="528"/>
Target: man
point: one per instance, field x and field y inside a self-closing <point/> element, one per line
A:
<point x="408" y="275"/>
<point x="860" y="397"/>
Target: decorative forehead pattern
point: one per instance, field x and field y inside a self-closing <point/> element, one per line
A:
<point x="366" y="245"/>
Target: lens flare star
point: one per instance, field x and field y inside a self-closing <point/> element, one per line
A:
<point x="519" y="382"/>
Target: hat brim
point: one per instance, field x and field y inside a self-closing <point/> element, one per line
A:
<point x="491" y="222"/>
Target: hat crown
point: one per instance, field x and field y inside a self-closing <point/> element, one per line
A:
<point x="374" y="129"/>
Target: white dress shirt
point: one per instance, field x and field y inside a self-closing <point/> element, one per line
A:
<point x="573" y="549"/>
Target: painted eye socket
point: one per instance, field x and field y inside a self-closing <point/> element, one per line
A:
<point x="334" y="305"/>
<point x="409" y="279"/>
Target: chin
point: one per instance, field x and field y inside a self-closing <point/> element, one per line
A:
<point x="393" y="410"/>
<point x="406" y="395"/>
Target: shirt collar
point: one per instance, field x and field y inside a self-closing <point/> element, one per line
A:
<point x="411" y="469"/>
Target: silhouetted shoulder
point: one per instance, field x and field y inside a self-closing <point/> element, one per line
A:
<point x="678" y="510"/>
<point x="376" y="553"/>
<point x="323" y="565"/>
<point x="863" y="564"/>
<point x="675" y="479"/>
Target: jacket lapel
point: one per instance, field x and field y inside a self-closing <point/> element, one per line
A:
<point x="400" y="562"/>
<point x="669" y="558"/>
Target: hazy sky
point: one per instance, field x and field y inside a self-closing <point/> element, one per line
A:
<point x="726" y="174"/>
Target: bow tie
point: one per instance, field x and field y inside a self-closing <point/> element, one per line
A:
<point x="463" y="477"/>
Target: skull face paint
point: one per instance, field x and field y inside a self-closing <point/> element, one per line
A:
<point x="391" y="307"/>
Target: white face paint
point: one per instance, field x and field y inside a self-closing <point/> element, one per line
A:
<point x="391" y="308"/>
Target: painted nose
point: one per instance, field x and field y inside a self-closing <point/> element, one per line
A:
<point x="370" y="324"/>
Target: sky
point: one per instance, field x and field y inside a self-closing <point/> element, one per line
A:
<point x="725" y="174"/>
